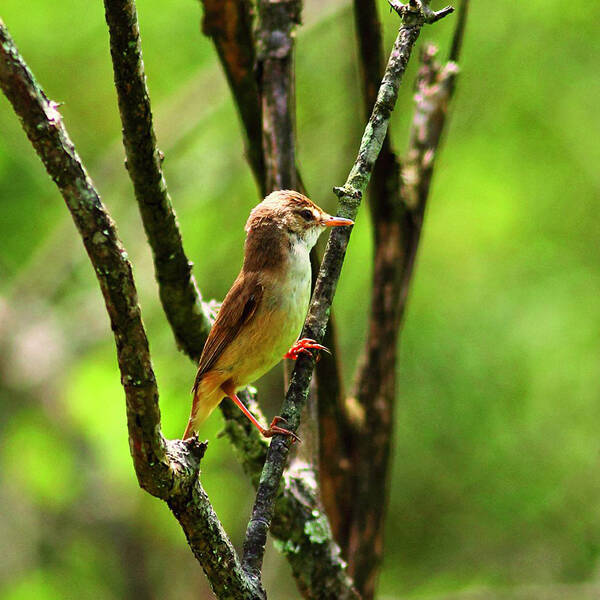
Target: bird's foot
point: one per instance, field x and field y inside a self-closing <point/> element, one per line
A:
<point x="273" y="429"/>
<point x="304" y="346"/>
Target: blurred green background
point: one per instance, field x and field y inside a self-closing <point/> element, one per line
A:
<point x="496" y="479"/>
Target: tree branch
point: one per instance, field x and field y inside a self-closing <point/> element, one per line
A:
<point x="168" y="470"/>
<point x="349" y="201"/>
<point x="459" y="31"/>
<point x="229" y="24"/>
<point x="179" y="294"/>
<point x="275" y="68"/>
<point x="434" y="89"/>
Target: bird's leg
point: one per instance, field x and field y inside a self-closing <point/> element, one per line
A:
<point x="229" y="389"/>
<point x="304" y="346"/>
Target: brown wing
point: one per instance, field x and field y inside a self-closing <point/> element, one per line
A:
<point x="237" y="309"/>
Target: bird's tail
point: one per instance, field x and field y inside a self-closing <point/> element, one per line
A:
<point x="207" y="395"/>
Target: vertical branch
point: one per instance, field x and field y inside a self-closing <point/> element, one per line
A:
<point x="180" y="297"/>
<point x="277" y="20"/>
<point x="275" y="70"/>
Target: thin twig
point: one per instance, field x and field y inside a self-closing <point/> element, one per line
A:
<point x="349" y="201"/>
<point x="434" y="90"/>
<point x="168" y="470"/>
<point x="459" y="31"/>
<point x="179" y="294"/>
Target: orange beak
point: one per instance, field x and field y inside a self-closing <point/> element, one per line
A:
<point x="330" y="221"/>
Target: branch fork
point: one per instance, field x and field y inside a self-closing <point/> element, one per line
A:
<point x="418" y="12"/>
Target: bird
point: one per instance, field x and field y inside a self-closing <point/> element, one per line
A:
<point x="263" y="312"/>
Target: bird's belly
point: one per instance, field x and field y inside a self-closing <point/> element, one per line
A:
<point x="270" y="334"/>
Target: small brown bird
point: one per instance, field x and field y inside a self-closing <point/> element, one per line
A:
<point x="264" y="310"/>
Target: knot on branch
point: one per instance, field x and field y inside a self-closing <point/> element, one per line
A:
<point x="196" y="448"/>
<point x="433" y="78"/>
<point x="184" y="459"/>
<point x="274" y="44"/>
<point x="276" y="22"/>
<point x="433" y="89"/>
<point x="347" y="192"/>
<point x="417" y="12"/>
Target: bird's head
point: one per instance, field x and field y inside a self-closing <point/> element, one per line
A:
<point x="293" y="214"/>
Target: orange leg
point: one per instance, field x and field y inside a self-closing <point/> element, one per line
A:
<point x="304" y="346"/>
<point x="229" y="389"/>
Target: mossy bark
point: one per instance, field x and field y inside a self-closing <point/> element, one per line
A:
<point x="179" y="294"/>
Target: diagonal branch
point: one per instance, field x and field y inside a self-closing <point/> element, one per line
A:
<point x="435" y="87"/>
<point x="229" y="24"/>
<point x="168" y="470"/>
<point x="349" y="201"/>
<point x="371" y="62"/>
<point x="179" y="294"/>
<point x="433" y="90"/>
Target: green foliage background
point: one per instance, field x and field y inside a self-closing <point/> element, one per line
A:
<point x="496" y="480"/>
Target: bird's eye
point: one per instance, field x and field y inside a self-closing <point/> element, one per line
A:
<point x="307" y="215"/>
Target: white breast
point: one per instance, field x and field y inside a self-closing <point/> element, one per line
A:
<point x="295" y="289"/>
<point x="290" y="300"/>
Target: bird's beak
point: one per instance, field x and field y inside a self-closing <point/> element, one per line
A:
<point x="330" y="221"/>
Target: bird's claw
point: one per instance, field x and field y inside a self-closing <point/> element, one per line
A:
<point x="304" y="346"/>
<point x="274" y="429"/>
